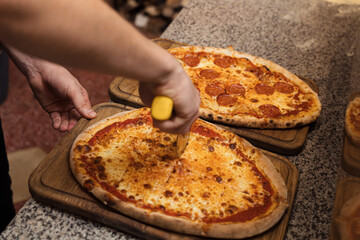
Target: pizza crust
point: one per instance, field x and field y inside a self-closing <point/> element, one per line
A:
<point x="247" y="229"/>
<point x="253" y="122"/>
<point x="270" y="171"/>
<point x="352" y="133"/>
<point x="248" y="120"/>
<point x="225" y="230"/>
<point x="113" y="202"/>
<point x="181" y="224"/>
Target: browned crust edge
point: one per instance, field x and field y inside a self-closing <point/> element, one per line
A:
<point x="253" y="122"/>
<point x="271" y="172"/>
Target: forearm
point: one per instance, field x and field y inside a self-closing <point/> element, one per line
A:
<point x="55" y="30"/>
<point x="33" y="68"/>
<point x="23" y="62"/>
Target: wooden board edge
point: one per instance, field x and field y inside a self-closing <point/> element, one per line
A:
<point x="121" y="97"/>
<point x="287" y="148"/>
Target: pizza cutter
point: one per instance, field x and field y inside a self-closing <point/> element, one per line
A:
<point x="161" y="110"/>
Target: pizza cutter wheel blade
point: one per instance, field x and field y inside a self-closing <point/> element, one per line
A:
<point x="161" y="109"/>
<point x="181" y="143"/>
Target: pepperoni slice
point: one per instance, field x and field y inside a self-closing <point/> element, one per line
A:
<point x="223" y="62"/>
<point x="283" y="87"/>
<point x="191" y="61"/>
<point x="214" y="90"/>
<point x="235" y="89"/>
<point x="209" y="73"/>
<point x="226" y="99"/>
<point x="270" y="110"/>
<point x="262" y="88"/>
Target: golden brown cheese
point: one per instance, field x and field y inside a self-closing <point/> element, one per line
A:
<point x="215" y="180"/>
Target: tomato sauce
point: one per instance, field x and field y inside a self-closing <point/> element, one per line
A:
<point x="118" y="125"/>
<point x="207" y="132"/>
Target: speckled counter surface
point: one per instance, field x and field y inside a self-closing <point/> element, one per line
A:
<point x="313" y="38"/>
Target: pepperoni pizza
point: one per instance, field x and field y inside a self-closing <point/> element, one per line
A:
<point x="221" y="186"/>
<point x="243" y="90"/>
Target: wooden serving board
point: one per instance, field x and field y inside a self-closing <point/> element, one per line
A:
<point x="351" y="153"/>
<point x="282" y="141"/>
<point x="52" y="183"/>
<point x="346" y="189"/>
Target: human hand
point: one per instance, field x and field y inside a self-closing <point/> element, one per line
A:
<point x="60" y="94"/>
<point x="179" y="87"/>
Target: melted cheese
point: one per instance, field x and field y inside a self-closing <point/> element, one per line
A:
<point x="212" y="179"/>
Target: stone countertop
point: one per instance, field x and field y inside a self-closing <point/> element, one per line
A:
<point x="312" y="38"/>
<point x="38" y="221"/>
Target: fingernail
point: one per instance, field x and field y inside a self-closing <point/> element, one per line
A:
<point x="91" y="113"/>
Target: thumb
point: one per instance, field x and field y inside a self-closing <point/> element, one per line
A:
<point x="80" y="100"/>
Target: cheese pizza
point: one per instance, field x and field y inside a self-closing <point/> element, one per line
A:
<point x="220" y="187"/>
<point x="244" y="90"/>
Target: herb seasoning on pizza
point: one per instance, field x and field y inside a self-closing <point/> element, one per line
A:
<point x="243" y="90"/>
<point x="221" y="186"/>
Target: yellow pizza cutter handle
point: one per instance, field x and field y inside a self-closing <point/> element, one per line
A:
<point x="161" y="108"/>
